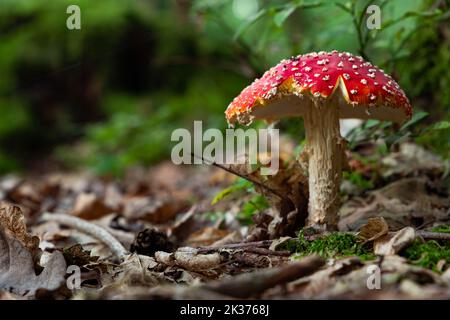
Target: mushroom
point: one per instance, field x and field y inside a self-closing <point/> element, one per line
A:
<point x="322" y="87"/>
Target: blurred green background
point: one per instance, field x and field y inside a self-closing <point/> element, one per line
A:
<point x="108" y="96"/>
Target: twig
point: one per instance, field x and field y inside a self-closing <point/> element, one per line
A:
<point x="240" y="245"/>
<point x="433" y="235"/>
<point x="87" y="227"/>
<point x="267" y="252"/>
<point x="250" y="284"/>
<point x="273" y="191"/>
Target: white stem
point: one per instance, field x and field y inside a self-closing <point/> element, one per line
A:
<point x="325" y="150"/>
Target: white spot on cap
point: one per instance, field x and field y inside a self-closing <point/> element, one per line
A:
<point x="324" y="69"/>
<point x="316" y="75"/>
<point x="326" y="78"/>
<point x="346" y="76"/>
<point x="354" y="66"/>
<point x="363" y="81"/>
<point x="371" y="75"/>
<point x="307" y="69"/>
<point x="353" y="91"/>
<point x="340" y="64"/>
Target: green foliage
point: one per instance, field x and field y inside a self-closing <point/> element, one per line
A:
<point x="434" y="136"/>
<point x="137" y="70"/>
<point x="256" y="204"/>
<point x="253" y="205"/>
<point x="213" y="215"/>
<point x="427" y="254"/>
<point x="239" y="185"/>
<point x="358" y="180"/>
<point x="333" y="245"/>
<point x="442" y="228"/>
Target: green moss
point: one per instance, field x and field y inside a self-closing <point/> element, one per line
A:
<point x="428" y="254"/>
<point x="334" y="245"/>
<point x="442" y="228"/>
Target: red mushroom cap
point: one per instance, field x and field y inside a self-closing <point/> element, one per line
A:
<point x="366" y="91"/>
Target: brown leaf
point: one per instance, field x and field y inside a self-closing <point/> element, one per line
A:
<point x="155" y="210"/>
<point x="393" y="242"/>
<point x="76" y="255"/>
<point x="17" y="272"/>
<point x="13" y="222"/>
<point x="405" y="202"/>
<point x="90" y="206"/>
<point x="206" y="236"/>
<point x="373" y="229"/>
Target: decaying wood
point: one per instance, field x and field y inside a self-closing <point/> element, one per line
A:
<point x="250" y="284"/>
<point x="240" y="245"/>
<point x="433" y="235"/>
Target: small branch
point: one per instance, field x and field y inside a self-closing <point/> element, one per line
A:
<point x="87" y="227"/>
<point x="240" y="245"/>
<point x="273" y="191"/>
<point x="267" y="252"/>
<point x="250" y="284"/>
<point x="433" y="235"/>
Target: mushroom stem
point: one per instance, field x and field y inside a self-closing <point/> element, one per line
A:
<point x="325" y="148"/>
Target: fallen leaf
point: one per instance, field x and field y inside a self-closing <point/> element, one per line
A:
<point x="206" y="236"/>
<point x="17" y="272"/>
<point x="373" y="229"/>
<point x="153" y="209"/>
<point x="404" y="202"/>
<point x="76" y="255"/>
<point x="13" y="222"/>
<point x="394" y="242"/>
<point x="90" y="206"/>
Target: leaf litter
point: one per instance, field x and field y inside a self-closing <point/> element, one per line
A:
<point x="155" y="234"/>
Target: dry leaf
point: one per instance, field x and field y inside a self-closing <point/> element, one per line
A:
<point x="153" y="209"/>
<point x="13" y="222"/>
<point x="393" y="242"/>
<point x="17" y="272"/>
<point x="206" y="236"/>
<point x="90" y="206"/>
<point x="404" y="202"/>
<point x="373" y="229"/>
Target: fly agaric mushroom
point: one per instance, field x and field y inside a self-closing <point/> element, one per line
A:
<point x="322" y="87"/>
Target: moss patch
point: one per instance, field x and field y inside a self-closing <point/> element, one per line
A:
<point x="428" y="254"/>
<point x="442" y="228"/>
<point x="334" y="245"/>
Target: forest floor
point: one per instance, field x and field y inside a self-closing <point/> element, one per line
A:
<point x="156" y="234"/>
